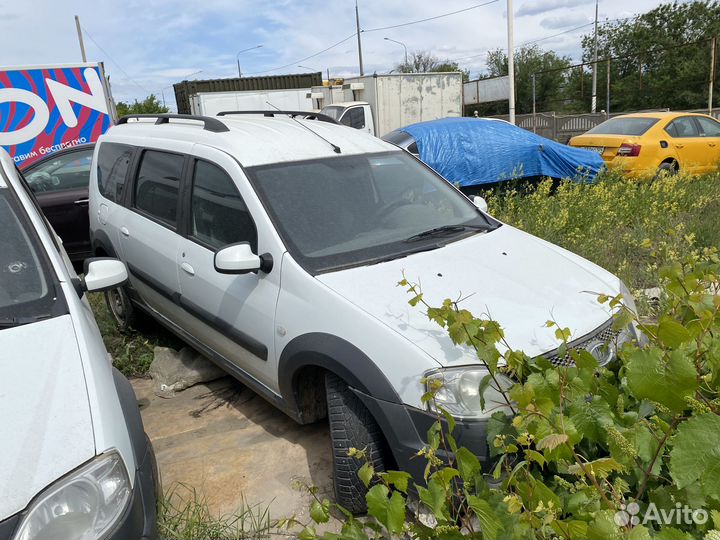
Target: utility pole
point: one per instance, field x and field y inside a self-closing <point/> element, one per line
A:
<point x="511" y="63"/>
<point x="713" y="44"/>
<point x="593" y="102"/>
<point x="357" y="27"/>
<point x="80" y="38"/>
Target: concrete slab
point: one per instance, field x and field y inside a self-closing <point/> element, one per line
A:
<point x="228" y="443"/>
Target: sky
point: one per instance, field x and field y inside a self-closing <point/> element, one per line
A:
<point x="147" y="45"/>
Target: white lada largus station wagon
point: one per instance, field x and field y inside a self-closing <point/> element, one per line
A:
<point x="274" y="244"/>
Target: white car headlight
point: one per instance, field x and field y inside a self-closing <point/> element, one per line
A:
<point x="84" y="505"/>
<point x="460" y="392"/>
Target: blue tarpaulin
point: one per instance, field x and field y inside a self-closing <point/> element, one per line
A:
<point x="472" y="151"/>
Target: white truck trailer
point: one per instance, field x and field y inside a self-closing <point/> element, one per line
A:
<point x="211" y="103"/>
<point x="379" y="104"/>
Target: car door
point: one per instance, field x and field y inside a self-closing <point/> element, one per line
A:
<point x="148" y="229"/>
<point x="60" y="185"/>
<point x="689" y="145"/>
<point x="710" y="132"/>
<point x="233" y="313"/>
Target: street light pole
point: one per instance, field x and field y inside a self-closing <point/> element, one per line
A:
<point x="357" y="28"/>
<point x="399" y="43"/>
<point x="237" y="57"/>
<point x="511" y="63"/>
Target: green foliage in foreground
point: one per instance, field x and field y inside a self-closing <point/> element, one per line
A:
<point x="631" y="451"/>
<point x="616" y="220"/>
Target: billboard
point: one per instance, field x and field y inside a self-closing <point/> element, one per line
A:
<point x="44" y="109"/>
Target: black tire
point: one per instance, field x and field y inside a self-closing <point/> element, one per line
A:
<point x="670" y="169"/>
<point x="351" y="426"/>
<point x="121" y="309"/>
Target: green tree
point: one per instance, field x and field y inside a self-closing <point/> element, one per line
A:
<point x="424" y="62"/>
<point x="659" y="59"/>
<point x="150" y="105"/>
<point x="551" y="80"/>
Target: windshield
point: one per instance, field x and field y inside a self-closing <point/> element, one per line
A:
<point x="633" y="126"/>
<point x="27" y="290"/>
<point x="351" y="210"/>
<point x="333" y="112"/>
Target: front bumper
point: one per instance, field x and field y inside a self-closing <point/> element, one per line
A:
<point x="405" y="429"/>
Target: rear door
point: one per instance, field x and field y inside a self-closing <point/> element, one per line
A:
<point x="61" y="187"/>
<point x="710" y="132"/>
<point x="148" y="229"/>
<point x="690" y="146"/>
<point x="233" y="314"/>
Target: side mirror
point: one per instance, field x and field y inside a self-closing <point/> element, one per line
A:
<point x="239" y="259"/>
<point x="480" y="203"/>
<point x="102" y="274"/>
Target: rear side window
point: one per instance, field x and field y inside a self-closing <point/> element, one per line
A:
<point x="219" y="215"/>
<point x="157" y="185"/>
<point x="355" y="118"/>
<point x="112" y="166"/>
<point x="633" y="126"/>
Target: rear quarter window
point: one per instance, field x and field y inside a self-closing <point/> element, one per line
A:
<point x="112" y="166"/>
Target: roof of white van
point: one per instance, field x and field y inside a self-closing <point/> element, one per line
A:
<point x="257" y="140"/>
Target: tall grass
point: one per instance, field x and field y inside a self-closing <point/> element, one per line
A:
<point x="184" y="514"/>
<point x="626" y="226"/>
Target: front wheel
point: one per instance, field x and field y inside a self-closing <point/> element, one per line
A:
<point x="351" y="426"/>
<point x="121" y="308"/>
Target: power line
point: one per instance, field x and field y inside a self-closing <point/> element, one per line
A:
<point x="307" y="57"/>
<point x="128" y="77"/>
<point x="374" y="30"/>
<point x="431" y="18"/>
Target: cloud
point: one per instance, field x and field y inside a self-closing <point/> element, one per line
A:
<point x="564" y="21"/>
<point x="536" y="7"/>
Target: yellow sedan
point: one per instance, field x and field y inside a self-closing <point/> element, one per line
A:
<point x="646" y="144"/>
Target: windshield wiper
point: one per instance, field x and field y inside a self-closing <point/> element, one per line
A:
<point x="445" y="229"/>
<point x="9" y="322"/>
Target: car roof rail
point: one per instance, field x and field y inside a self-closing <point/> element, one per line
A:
<point x="209" y="123"/>
<point x="307" y="115"/>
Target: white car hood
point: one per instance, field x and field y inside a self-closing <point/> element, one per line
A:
<point x="519" y="280"/>
<point x="46" y="428"/>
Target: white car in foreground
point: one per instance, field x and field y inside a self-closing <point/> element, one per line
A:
<point x="74" y="459"/>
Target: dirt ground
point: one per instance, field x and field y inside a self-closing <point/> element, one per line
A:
<point x="228" y="443"/>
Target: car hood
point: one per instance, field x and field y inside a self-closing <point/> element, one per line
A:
<point x="516" y="279"/>
<point x="46" y="429"/>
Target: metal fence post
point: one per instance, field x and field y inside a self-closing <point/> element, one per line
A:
<point x="534" y="118"/>
<point x="713" y="45"/>
<point x="607" y="91"/>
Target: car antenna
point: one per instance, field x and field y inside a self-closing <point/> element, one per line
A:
<point x="335" y="147"/>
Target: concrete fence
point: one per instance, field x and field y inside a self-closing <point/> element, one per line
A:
<point x="561" y="127"/>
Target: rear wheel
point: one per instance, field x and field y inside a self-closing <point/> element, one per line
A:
<point x="351" y="426"/>
<point x="667" y="169"/>
<point x="121" y="308"/>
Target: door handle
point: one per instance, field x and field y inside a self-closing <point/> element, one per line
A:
<point x="82" y="202"/>
<point x="189" y="270"/>
<point x="680" y="145"/>
<point x="124" y="231"/>
<point x="712" y="144"/>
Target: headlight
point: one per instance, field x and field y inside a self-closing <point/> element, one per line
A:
<point x="460" y="392"/>
<point x="81" y="506"/>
